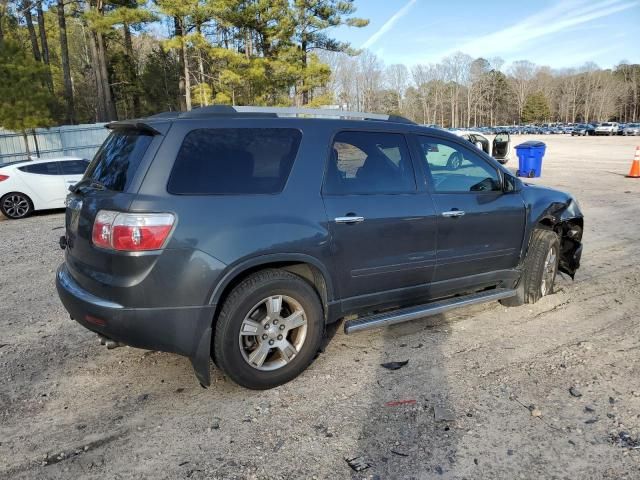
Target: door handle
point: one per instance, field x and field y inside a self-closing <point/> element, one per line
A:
<point x="453" y="213"/>
<point x="349" y="219"/>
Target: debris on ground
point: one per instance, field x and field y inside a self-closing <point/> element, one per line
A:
<point x="394" y="365"/>
<point x="624" y="440"/>
<point x="575" y="392"/>
<point x="397" y="403"/>
<point x="357" y="464"/>
<point x="399" y="453"/>
<point x="442" y="414"/>
<point x="535" y="411"/>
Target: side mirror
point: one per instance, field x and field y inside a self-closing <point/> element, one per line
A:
<point x="510" y="183"/>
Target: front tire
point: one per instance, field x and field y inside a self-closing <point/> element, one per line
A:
<point x="269" y="330"/>
<point x="540" y="269"/>
<point x="16" y="205"/>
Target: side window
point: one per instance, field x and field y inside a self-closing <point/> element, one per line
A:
<point x="48" y="168"/>
<point x="369" y="163"/>
<point x="74" y="167"/>
<point x="234" y="161"/>
<point x="456" y="169"/>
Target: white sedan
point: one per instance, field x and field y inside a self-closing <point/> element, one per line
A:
<point x="37" y="184"/>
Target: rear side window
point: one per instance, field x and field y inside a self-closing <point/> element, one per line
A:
<point x="74" y="167"/>
<point x="49" y="168"/>
<point x="118" y="158"/>
<point x="234" y="161"/>
<point x="364" y="163"/>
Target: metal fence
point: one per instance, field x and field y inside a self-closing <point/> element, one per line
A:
<point x="71" y="141"/>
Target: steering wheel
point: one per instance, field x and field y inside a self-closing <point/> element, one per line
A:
<point x="455" y="161"/>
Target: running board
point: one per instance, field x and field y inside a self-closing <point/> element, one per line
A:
<point x="406" y="314"/>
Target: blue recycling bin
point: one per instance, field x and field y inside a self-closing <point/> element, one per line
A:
<point x="530" y="156"/>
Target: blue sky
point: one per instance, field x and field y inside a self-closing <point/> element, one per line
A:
<point x="557" y="33"/>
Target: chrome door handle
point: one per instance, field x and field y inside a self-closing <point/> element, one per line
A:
<point x="351" y="219"/>
<point x="453" y="213"/>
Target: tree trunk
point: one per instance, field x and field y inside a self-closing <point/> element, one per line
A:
<point x="184" y="84"/>
<point x="110" y="107"/>
<point x="43" y="32"/>
<point x="66" y="69"/>
<point x="43" y="43"/>
<point x="305" y="93"/>
<point x="26" y="7"/>
<point x="101" y="110"/>
<point x="26" y="144"/>
<point x="133" y="74"/>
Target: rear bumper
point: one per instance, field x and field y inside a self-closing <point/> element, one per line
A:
<point x="182" y="330"/>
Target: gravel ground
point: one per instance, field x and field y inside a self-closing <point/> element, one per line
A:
<point x="498" y="379"/>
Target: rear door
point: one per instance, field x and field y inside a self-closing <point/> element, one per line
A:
<point x="383" y="230"/>
<point x="46" y="182"/>
<point x="480" y="227"/>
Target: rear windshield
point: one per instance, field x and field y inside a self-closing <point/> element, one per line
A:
<point x="234" y="161"/>
<point x="116" y="162"/>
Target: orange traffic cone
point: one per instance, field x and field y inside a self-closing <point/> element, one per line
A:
<point x="635" y="166"/>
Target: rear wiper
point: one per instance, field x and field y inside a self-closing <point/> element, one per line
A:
<point x="86" y="183"/>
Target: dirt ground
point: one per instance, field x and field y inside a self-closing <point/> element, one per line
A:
<point x="500" y="377"/>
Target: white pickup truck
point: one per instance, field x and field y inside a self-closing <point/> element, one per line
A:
<point x="607" y="128"/>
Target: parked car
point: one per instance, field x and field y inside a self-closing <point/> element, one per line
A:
<point x="607" y="128"/>
<point x="580" y="130"/>
<point x="499" y="148"/>
<point x="39" y="184"/>
<point x="632" y="129"/>
<point x="242" y="232"/>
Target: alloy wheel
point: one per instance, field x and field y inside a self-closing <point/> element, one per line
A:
<point x="15" y="205"/>
<point x="273" y="332"/>
<point x="549" y="272"/>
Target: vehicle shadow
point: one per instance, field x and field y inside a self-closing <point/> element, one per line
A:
<point x="410" y="428"/>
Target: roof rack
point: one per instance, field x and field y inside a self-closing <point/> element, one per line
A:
<point x="271" y="112"/>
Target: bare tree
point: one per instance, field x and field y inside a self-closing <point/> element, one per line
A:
<point x="522" y="73"/>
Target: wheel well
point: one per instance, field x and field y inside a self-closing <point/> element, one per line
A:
<point x="306" y="271"/>
<point x="29" y="199"/>
<point x="19" y="193"/>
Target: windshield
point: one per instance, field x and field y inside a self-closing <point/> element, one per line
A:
<point x="116" y="162"/>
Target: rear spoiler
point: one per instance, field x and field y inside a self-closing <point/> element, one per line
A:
<point x="133" y="125"/>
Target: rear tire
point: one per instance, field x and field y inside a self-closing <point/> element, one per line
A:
<point x="16" y="205"/>
<point x="285" y="313"/>
<point x="540" y="269"/>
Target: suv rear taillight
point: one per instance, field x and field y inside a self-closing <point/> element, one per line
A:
<point x="3" y="178"/>
<point x="131" y="232"/>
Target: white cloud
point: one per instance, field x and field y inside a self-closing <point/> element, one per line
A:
<point x="389" y="24"/>
<point x="557" y="18"/>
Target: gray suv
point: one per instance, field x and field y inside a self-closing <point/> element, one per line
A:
<point x="239" y="234"/>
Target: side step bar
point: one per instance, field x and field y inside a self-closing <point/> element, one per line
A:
<point x="411" y="313"/>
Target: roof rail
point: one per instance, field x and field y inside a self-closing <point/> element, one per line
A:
<point x="228" y="110"/>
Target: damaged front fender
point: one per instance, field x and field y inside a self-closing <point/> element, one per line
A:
<point x="560" y="212"/>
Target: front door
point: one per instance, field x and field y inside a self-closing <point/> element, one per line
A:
<point x="383" y="231"/>
<point x="501" y="146"/>
<point x="480" y="227"/>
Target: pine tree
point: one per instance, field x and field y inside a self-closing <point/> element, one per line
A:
<point x="536" y="108"/>
<point x="25" y="100"/>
